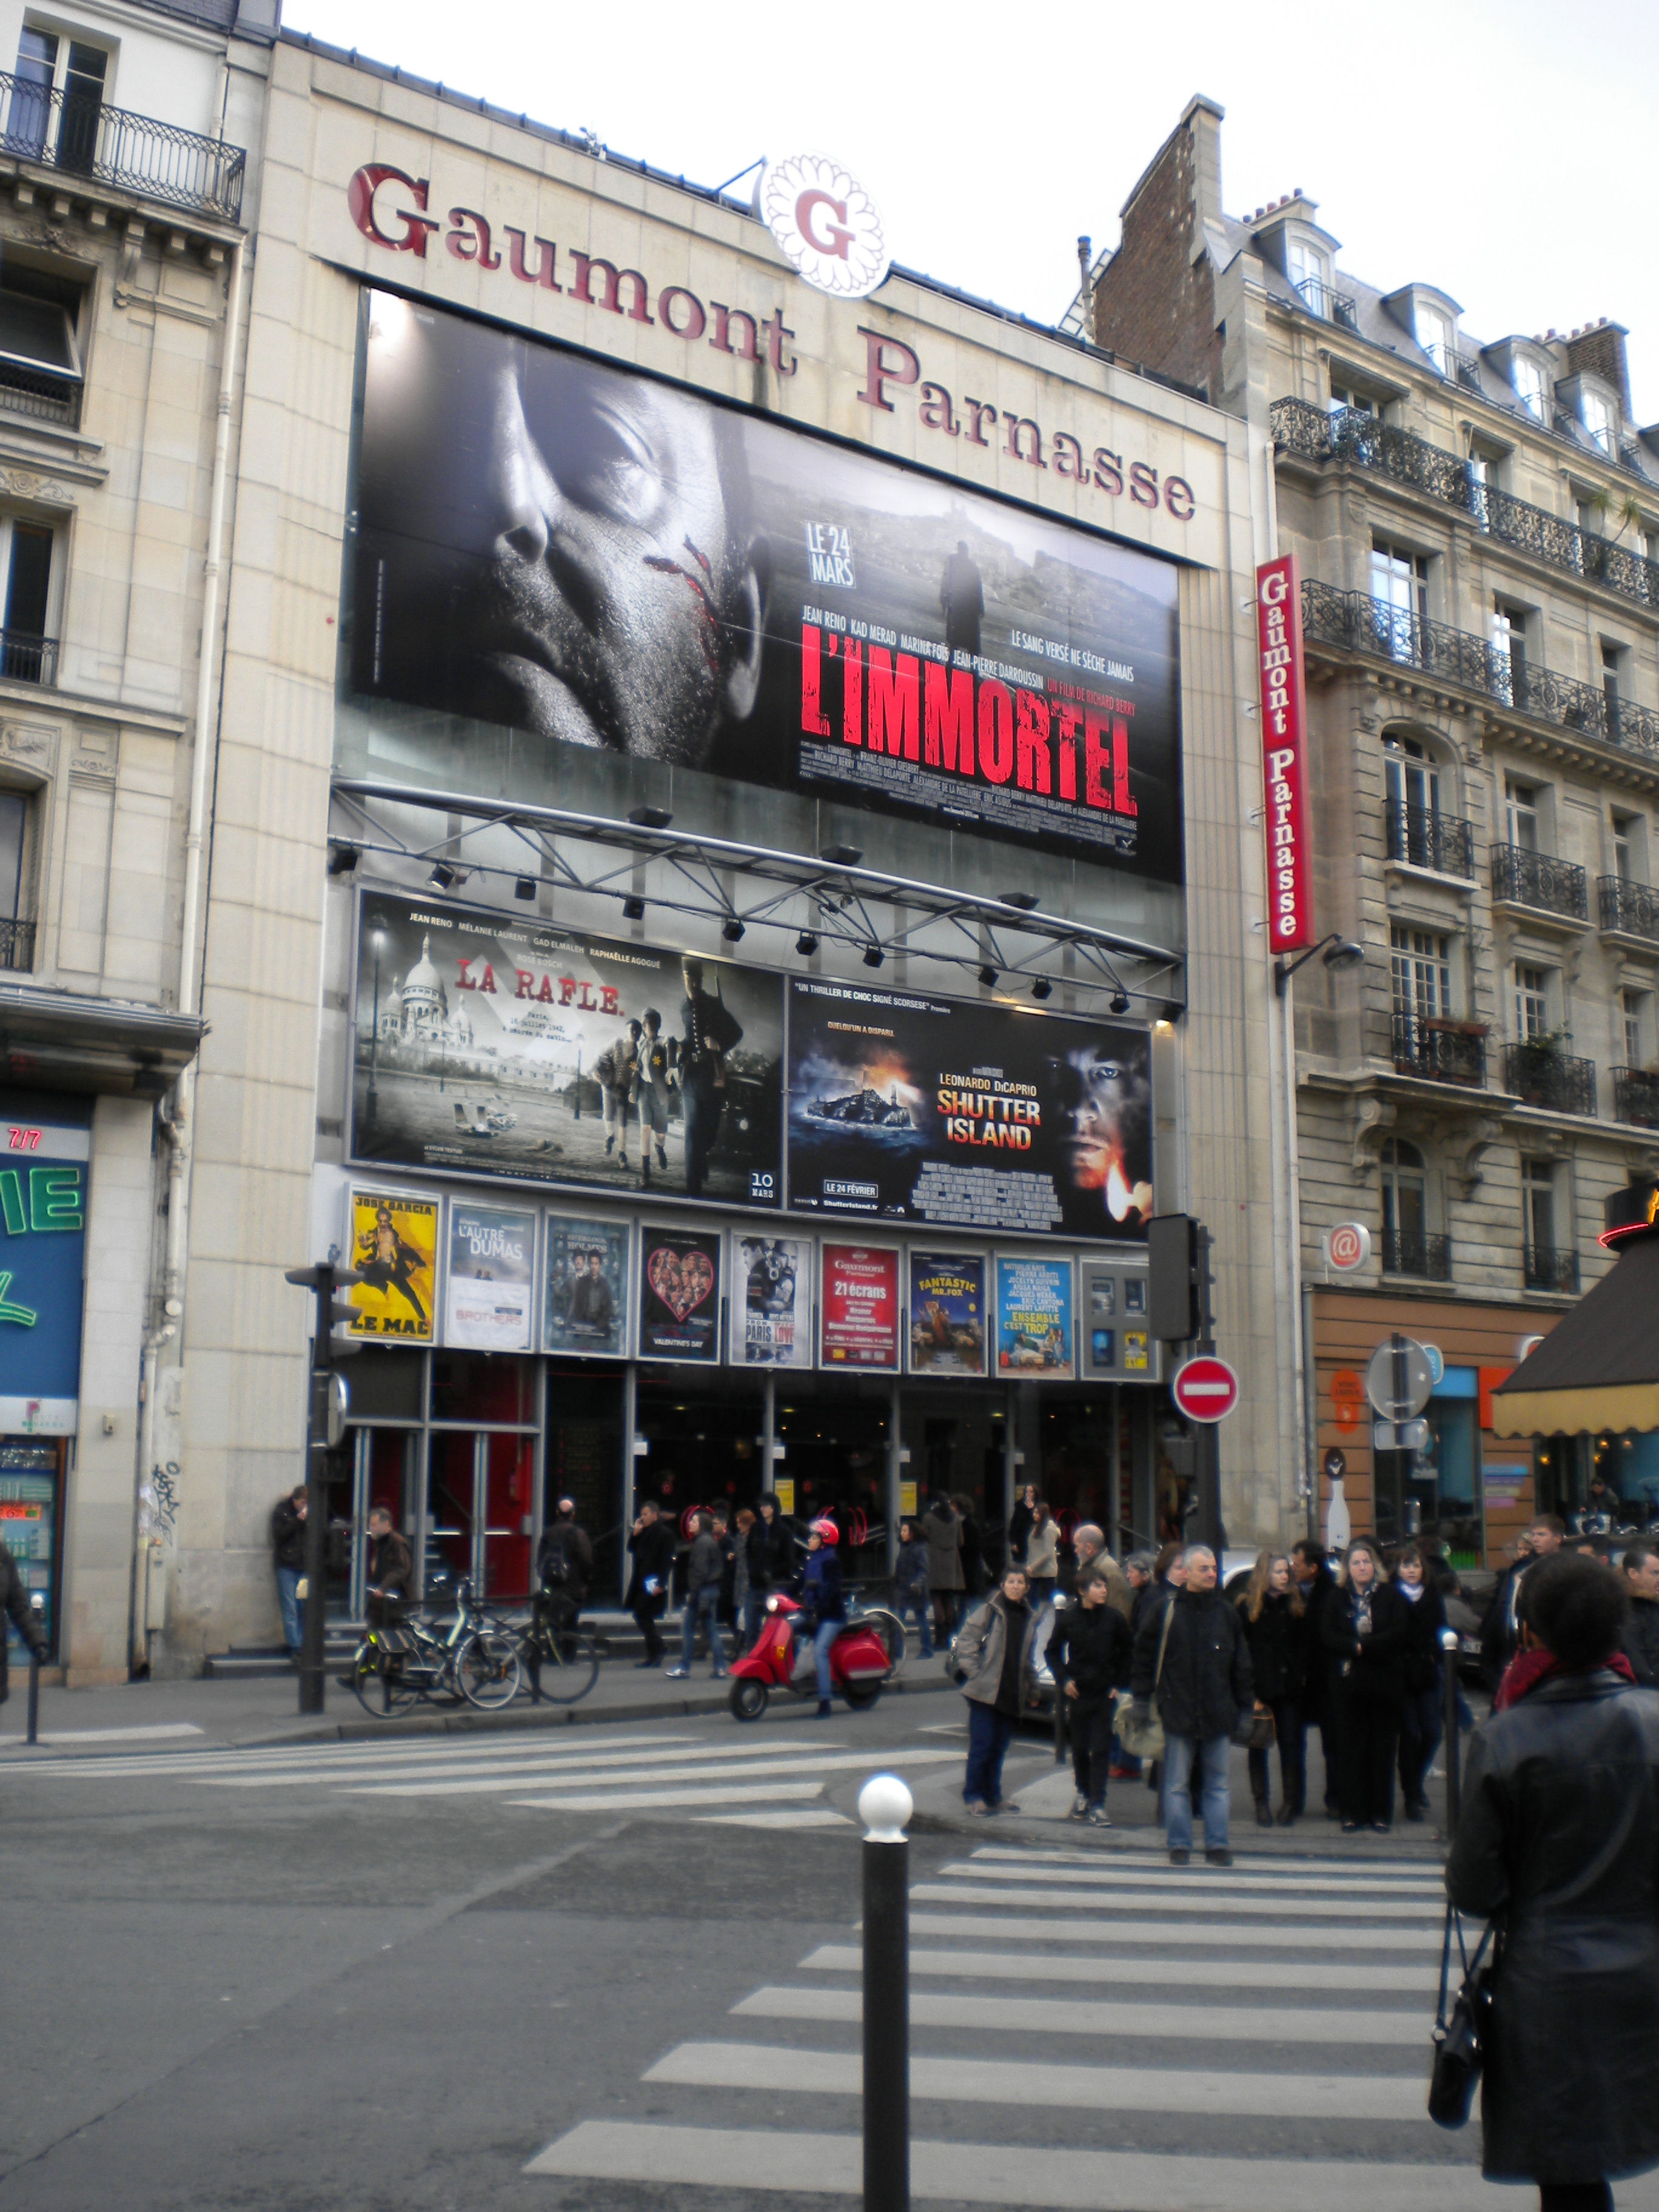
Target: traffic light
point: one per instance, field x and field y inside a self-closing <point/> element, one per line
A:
<point x="1172" y="1309"/>
<point x="342" y="1345"/>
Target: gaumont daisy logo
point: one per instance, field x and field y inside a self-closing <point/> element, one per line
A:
<point x="825" y="224"/>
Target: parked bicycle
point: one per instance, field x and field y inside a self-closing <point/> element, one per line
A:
<point x="475" y="1659"/>
<point x="561" y="1656"/>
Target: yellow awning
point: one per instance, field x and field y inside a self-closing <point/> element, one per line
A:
<point x="1615" y="1406"/>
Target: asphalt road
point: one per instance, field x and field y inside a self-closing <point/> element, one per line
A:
<point x="619" y="1974"/>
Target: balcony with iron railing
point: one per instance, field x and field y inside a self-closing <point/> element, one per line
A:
<point x="1521" y="876"/>
<point x="1439" y="1051"/>
<point x="1636" y="1097"/>
<point x="1628" y="909"/>
<point x="1547" y="1268"/>
<point x="1412" y="1252"/>
<point x="1331" y="306"/>
<point x="79" y="136"/>
<point x="1423" y="837"/>
<point x="25" y="658"/>
<point x="1362" y="624"/>
<point x="1539" y="1074"/>
<point x="16" y="945"/>
<point x="1364" y="441"/>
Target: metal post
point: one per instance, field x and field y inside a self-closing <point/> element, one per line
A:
<point x="1449" y="1647"/>
<point x="1207" y="1457"/>
<point x="34" y="1735"/>
<point x="1309" y="1413"/>
<point x="885" y="1806"/>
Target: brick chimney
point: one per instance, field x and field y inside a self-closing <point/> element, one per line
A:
<point x="1155" y="302"/>
<point x="1598" y="349"/>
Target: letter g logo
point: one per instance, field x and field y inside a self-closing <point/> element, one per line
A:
<point x="360" y="199"/>
<point x="837" y="241"/>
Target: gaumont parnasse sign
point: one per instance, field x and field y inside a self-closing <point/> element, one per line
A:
<point x="1284" y="754"/>
<point x="400" y="214"/>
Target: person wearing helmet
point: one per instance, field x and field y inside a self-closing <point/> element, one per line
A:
<point x="822" y="1602"/>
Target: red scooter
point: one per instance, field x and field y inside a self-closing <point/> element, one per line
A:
<point x="859" y="1663"/>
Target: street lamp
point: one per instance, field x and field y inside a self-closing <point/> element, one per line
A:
<point x="1340" y="952"/>
<point x="378" y="940"/>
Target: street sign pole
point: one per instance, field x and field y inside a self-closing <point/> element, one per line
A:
<point x="322" y="1417"/>
<point x="1208" y="1458"/>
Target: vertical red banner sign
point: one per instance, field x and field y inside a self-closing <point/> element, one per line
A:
<point x="1285" y="754"/>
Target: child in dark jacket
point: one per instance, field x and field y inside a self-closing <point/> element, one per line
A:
<point x="1090" y="1650"/>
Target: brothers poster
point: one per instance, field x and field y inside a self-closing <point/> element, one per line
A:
<point x="488" y="1302"/>
<point x="961" y="1116"/>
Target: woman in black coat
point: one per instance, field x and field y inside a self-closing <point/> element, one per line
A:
<point x="1421" y="1715"/>
<point x="1559" y="1835"/>
<point x="1271" y="1610"/>
<point x="1365" y="1628"/>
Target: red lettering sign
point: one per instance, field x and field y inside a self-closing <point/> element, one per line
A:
<point x="858" y="1307"/>
<point x="1284" y="754"/>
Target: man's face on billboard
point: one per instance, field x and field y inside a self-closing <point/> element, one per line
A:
<point x="1101" y="1110"/>
<point x="605" y="593"/>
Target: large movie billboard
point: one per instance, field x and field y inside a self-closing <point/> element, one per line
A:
<point x="907" y="1107"/>
<point x="552" y="551"/>
<point x="501" y="1047"/>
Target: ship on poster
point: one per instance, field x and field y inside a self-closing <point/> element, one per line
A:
<point x="492" y="1261"/>
<point x="1034" y="1318"/>
<point x="747" y="599"/>
<point x="680" y="1295"/>
<point x="956" y="1115"/>
<point x="587" y="1289"/>
<point x="492" y="1046"/>
<point x="771" y="1289"/>
<point x="947" y="1313"/>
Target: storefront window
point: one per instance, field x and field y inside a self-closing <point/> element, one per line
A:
<point x="483" y="1386"/>
<point x="703" y="1445"/>
<point x="835" y="1438"/>
<point x="585" y="1463"/>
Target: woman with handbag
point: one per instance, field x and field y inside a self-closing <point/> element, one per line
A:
<point x="1366" y="1628"/>
<point x="1559" y="1840"/>
<point x="1271" y="1610"/>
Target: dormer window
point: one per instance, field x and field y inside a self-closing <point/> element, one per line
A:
<point x="1309" y="270"/>
<point x="1600" y="418"/>
<point x="1531" y="380"/>
<point x="1434" y="335"/>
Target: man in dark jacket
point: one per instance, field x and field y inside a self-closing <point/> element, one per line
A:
<point x="15" y="1607"/>
<point x="1201" y="1675"/>
<point x="564" y="1566"/>
<point x="651" y="1546"/>
<point x="390" y="1570"/>
<point x="1316" y="1586"/>
<point x="705" y="1572"/>
<point x="1090" y="1654"/>
<point x="994" y="1652"/>
<point x="287" y="1545"/>
<point x="1500" y="1632"/>
<point x="1559" y="1833"/>
<point x="1641" y="1578"/>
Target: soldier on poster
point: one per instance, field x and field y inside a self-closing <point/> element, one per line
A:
<point x="394" y="1240"/>
<point x="587" y="1286"/>
<point x="773" y="1274"/>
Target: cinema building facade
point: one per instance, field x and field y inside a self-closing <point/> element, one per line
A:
<point x="733" y="894"/>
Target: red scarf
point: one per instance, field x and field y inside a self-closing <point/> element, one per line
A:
<point x="1528" y="1669"/>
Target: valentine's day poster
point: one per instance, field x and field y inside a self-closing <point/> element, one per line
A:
<point x="679" y="1295"/>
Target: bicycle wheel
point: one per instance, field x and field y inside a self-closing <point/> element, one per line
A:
<point x="380" y="1689"/>
<point x="891" y="1629"/>
<point x="488" y="1671"/>
<point x="569" y="1668"/>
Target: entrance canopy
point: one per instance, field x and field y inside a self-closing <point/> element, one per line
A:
<point x="1598" y="1368"/>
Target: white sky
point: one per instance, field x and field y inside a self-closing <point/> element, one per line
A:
<point x="1503" y="149"/>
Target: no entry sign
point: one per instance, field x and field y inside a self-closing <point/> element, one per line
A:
<point x="1205" y="1389"/>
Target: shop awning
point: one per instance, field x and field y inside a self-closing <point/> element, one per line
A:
<point x="1599" y="1366"/>
<point x="59" y="1040"/>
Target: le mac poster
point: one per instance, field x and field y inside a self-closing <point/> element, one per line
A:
<point x="517" y="1050"/>
<point x="394" y="1248"/>
<point x="553" y="552"/>
<point x="951" y="1115"/>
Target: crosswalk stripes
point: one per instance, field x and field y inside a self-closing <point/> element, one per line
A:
<point x="1022" y="2007"/>
<point x="769" y="1779"/>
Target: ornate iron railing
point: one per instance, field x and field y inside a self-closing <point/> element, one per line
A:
<point x="1631" y="908"/>
<point x="16" y="945"/>
<point x="1439" y="1051"/>
<point x="1364" y="624"/>
<point x="1330" y="306"/>
<point x="1548" y="1268"/>
<point x="1425" y="838"/>
<point x="1409" y="1252"/>
<point x="1540" y="880"/>
<point x="69" y="131"/>
<point x="1365" y="443"/>
<point x="28" y="659"/>
<point x="49" y="398"/>
<point x="1537" y="1075"/>
<point x="1636" y="1097"/>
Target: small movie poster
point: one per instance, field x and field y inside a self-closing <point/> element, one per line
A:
<point x="947" y="1314"/>
<point x="1034" y="1319"/>
<point x="680" y="1295"/>
<point x="586" y="1287"/>
<point x="487" y="1302"/>
<point x="858" y="1308"/>
<point x="394" y="1248"/>
<point x="771" y="1295"/>
<point x="1110" y="1353"/>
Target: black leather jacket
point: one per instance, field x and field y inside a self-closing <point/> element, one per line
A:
<point x="1559" y="1833"/>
